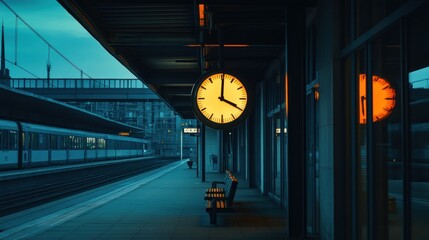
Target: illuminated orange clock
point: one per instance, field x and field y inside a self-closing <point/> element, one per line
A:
<point x="383" y="97"/>
<point x="221" y="100"/>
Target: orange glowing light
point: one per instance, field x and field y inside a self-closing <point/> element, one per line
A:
<point x="316" y="92"/>
<point x="286" y="95"/>
<point x="201" y="14"/>
<point x="383" y="97"/>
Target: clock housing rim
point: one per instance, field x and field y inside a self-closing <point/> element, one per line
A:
<point x="237" y="121"/>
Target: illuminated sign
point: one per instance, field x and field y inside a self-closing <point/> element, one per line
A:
<point x="278" y="130"/>
<point x="191" y="130"/>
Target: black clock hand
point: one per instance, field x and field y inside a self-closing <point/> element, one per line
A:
<point x="232" y="104"/>
<point x="222" y="87"/>
<point x="362" y="102"/>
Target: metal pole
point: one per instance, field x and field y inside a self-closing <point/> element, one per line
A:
<point x="203" y="153"/>
<point x="198" y="158"/>
<point x="181" y="145"/>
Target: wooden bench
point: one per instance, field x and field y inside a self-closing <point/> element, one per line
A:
<point x="215" y="189"/>
<point x="220" y="200"/>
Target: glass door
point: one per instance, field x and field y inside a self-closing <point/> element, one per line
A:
<point x="312" y="163"/>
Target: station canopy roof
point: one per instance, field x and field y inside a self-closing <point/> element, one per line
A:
<point x="169" y="44"/>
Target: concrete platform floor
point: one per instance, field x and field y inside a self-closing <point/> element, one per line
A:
<point x="163" y="204"/>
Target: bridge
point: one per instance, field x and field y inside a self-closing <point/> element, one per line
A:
<point x="84" y="89"/>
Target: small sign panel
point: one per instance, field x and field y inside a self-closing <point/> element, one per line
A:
<point x="192" y="130"/>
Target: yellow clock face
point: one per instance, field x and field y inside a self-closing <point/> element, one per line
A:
<point x="383" y="97"/>
<point x="220" y="99"/>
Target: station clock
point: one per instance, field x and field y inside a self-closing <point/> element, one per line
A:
<point x="384" y="99"/>
<point x="221" y="100"/>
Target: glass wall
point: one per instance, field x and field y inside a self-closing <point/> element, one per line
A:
<point x="362" y="150"/>
<point x="274" y="135"/>
<point x="418" y="80"/>
<point x="386" y="59"/>
<point x="312" y="128"/>
<point x="274" y="132"/>
<point x="387" y="128"/>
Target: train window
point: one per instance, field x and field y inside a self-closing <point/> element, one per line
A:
<point x="81" y="142"/>
<point x="34" y="141"/>
<point x="90" y="143"/>
<point x="8" y="140"/>
<point x="39" y="141"/>
<point x="66" y="142"/>
<point x="76" y="142"/>
<point x="114" y="144"/>
<point x="44" y="141"/>
<point x="72" y="142"/>
<point x="54" y="143"/>
<point x="14" y="140"/>
<point x="61" y="142"/>
<point x="2" y="147"/>
<point x="57" y="142"/>
<point x="101" y="143"/>
<point x="3" y="140"/>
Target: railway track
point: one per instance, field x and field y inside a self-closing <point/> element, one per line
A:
<point x="66" y="184"/>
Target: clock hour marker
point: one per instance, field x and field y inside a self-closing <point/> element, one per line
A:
<point x="389" y="98"/>
<point x="211" y="116"/>
<point x="203" y="109"/>
<point x="203" y="88"/>
<point x="232" y="80"/>
<point x="385" y="87"/>
<point x="221" y="118"/>
<point x="210" y="79"/>
<point x="240" y="88"/>
<point x="242" y="98"/>
<point x="232" y="115"/>
<point x="201" y="98"/>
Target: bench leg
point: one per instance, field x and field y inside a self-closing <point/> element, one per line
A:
<point x="213" y="218"/>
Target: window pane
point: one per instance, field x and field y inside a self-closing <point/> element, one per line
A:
<point x="387" y="129"/>
<point x="361" y="159"/>
<point x="419" y="119"/>
<point x="370" y="12"/>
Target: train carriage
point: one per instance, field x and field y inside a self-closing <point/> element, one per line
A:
<point x="8" y="144"/>
<point x="45" y="145"/>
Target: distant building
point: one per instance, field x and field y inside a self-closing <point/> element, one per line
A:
<point x="159" y="122"/>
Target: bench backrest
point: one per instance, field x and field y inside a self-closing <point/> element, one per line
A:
<point x="230" y="188"/>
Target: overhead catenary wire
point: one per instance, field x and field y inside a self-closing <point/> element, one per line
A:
<point x="43" y="39"/>
<point x="22" y="68"/>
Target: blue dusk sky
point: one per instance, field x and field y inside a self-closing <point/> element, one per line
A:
<point x="49" y="19"/>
